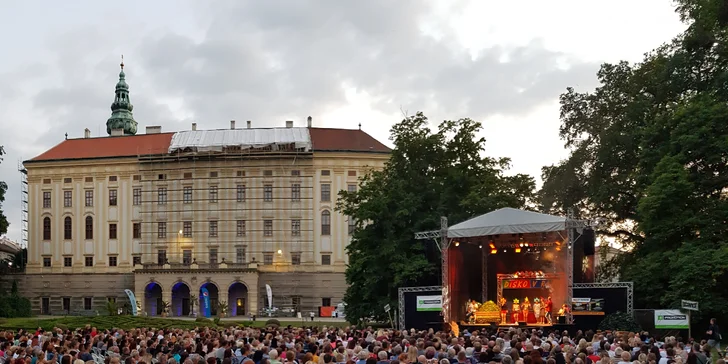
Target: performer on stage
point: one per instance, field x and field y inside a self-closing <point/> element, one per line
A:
<point x="537" y="310"/>
<point x="525" y="308"/>
<point x="549" y="306"/>
<point x="516" y="311"/>
<point x="504" y="309"/>
<point x="472" y="306"/>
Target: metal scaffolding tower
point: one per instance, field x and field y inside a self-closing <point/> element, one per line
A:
<point x="23" y="205"/>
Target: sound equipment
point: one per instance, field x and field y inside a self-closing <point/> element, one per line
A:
<point x="589" y="239"/>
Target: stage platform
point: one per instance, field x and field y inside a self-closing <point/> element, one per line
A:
<point x="506" y="327"/>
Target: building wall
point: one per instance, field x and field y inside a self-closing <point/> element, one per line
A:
<point x="308" y="283"/>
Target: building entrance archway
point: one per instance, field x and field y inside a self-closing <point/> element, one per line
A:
<point x="180" y="299"/>
<point x="153" y="304"/>
<point x="238" y="296"/>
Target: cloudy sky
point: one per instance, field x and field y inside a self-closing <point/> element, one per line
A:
<point x="342" y="62"/>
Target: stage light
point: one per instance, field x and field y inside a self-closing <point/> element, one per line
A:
<point x="558" y="243"/>
<point x="504" y="250"/>
<point x="480" y="246"/>
<point x="521" y="245"/>
<point x="493" y="251"/>
<point x="457" y="243"/>
<point x="492" y="246"/>
<point x="518" y="250"/>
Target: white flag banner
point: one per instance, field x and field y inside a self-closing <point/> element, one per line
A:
<point x="269" y="291"/>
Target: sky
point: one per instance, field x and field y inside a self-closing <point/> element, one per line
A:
<point x="345" y="63"/>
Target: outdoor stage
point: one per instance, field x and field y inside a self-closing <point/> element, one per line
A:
<point x="509" y="268"/>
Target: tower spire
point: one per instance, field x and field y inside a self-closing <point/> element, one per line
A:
<point x="121" y="108"/>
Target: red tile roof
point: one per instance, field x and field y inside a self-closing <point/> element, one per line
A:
<point x="323" y="139"/>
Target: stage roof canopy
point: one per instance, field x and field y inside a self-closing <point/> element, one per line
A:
<point x="507" y="221"/>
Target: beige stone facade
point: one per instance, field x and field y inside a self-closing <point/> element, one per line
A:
<point x="164" y="226"/>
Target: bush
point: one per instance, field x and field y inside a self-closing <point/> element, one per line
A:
<point x="216" y="321"/>
<point x="273" y="322"/>
<point x="13" y="305"/>
<point x="620" y="321"/>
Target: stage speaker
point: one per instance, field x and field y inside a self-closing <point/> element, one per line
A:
<point x="588" y="238"/>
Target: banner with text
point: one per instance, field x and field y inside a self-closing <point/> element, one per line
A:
<point x="429" y="303"/>
<point x="671" y="319"/>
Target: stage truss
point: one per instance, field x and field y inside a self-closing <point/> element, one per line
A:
<point x="403" y="290"/>
<point x="628" y="285"/>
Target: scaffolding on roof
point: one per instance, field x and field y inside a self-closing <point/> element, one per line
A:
<point x="273" y="139"/>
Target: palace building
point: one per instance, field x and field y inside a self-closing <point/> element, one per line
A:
<point x="165" y="214"/>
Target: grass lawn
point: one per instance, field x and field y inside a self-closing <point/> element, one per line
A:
<point x="132" y="322"/>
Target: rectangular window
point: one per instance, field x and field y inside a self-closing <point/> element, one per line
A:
<point x="112" y="178"/>
<point x="268" y="193"/>
<point x="325" y="172"/>
<point x="162" y="177"/>
<point x="326" y="223"/>
<point x="240" y="255"/>
<point x="325" y="259"/>
<point x="87" y="303"/>
<point x="137" y="196"/>
<point x="268" y="173"/>
<point x="67" y="228"/>
<point x="67" y="180"/>
<point x="326" y="301"/>
<point x="187" y="229"/>
<point x="213" y="256"/>
<point x="213" y="174"/>
<point x="267" y="227"/>
<point x="213" y="194"/>
<point x="45" y="305"/>
<point x="296" y="227"/>
<point x="213" y="229"/>
<point x="296" y="192"/>
<point x="89" y="228"/>
<point x="352" y="225"/>
<point x="162" y="195"/>
<point x="296" y="258"/>
<point x="89" y="261"/>
<point x="351" y="188"/>
<point x="240" y="173"/>
<point x="240" y="228"/>
<point x="112" y="198"/>
<point x="187" y="194"/>
<point x="66" y="304"/>
<point x="67" y="261"/>
<point x="352" y="173"/>
<point x="295" y="173"/>
<point x="161" y="257"/>
<point x="46" y="228"/>
<point x="112" y="231"/>
<point x="267" y="258"/>
<point x="112" y="261"/>
<point x="325" y="192"/>
<point x="89" y="194"/>
<point x="137" y="230"/>
<point x="137" y="177"/>
<point x="187" y="175"/>
<point x="161" y="230"/>
<point x="47" y="262"/>
<point x="187" y="257"/>
<point x="136" y="260"/>
<point x="67" y="198"/>
<point x="46" y="199"/>
<point x="89" y="179"/>
<point x="241" y="193"/>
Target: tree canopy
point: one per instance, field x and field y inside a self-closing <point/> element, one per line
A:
<point x="649" y="152"/>
<point x="3" y="188"/>
<point x="429" y="175"/>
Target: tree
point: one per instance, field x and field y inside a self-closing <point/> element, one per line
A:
<point x="429" y="174"/>
<point x="649" y="151"/>
<point x="3" y="188"/>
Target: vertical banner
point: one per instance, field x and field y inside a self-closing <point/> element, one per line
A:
<point x="132" y="302"/>
<point x="206" y="311"/>
<point x="269" y="291"/>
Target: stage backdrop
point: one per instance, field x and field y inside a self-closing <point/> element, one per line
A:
<point x="614" y="299"/>
<point x="423" y="310"/>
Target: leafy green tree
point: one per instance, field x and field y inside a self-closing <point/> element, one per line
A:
<point x="3" y="188"/>
<point x="649" y="152"/>
<point x="429" y="174"/>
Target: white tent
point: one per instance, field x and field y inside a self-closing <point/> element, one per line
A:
<point x="507" y="221"/>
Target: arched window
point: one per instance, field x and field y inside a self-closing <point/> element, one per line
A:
<point x="67" y="228"/>
<point x="325" y="222"/>
<point x="89" y="228"/>
<point x="47" y="228"/>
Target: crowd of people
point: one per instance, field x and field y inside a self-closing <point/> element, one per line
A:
<point x="331" y="345"/>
